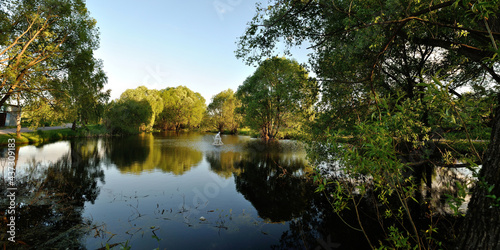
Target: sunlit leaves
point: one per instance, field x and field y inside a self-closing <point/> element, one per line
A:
<point x="46" y="58"/>
<point x="182" y="108"/>
<point x="151" y="96"/>
<point x="127" y="116"/>
<point x="222" y="111"/>
<point x="278" y="95"/>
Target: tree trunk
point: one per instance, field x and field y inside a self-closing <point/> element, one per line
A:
<point x="220" y="128"/>
<point x="481" y="228"/>
<point x="18" y="123"/>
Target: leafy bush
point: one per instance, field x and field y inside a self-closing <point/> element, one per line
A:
<point x="128" y="116"/>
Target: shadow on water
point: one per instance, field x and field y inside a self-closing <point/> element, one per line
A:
<point x="51" y="199"/>
<point x="273" y="178"/>
<point x="271" y="184"/>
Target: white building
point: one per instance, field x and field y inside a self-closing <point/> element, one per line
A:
<point x="8" y="115"/>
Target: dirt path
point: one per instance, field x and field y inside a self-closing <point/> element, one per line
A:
<point x="24" y="130"/>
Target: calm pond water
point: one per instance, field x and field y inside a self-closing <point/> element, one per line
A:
<point x="172" y="191"/>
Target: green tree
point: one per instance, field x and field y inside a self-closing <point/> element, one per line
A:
<point x="42" y="112"/>
<point x="127" y="116"/>
<point x="222" y="111"/>
<point x="38" y="39"/>
<point x="183" y="108"/>
<point x="361" y="51"/>
<point x="277" y="95"/>
<point x="152" y="96"/>
<point x="80" y="96"/>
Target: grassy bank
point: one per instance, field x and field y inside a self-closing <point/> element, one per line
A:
<point x="241" y="131"/>
<point x="40" y="136"/>
<point x="288" y="134"/>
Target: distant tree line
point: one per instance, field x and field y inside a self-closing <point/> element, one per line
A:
<point x="279" y="95"/>
<point x="141" y="109"/>
<point x="47" y="66"/>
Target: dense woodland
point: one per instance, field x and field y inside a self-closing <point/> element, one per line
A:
<point x="398" y="86"/>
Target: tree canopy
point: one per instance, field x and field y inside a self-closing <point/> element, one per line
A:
<point x="152" y="96"/>
<point x="278" y="94"/>
<point x="38" y="41"/>
<point x="222" y="111"/>
<point x="141" y="108"/>
<point x="128" y="116"/>
<point x="390" y="73"/>
<point x="182" y="108"/>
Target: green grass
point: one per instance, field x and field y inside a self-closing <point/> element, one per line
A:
<point x="40" y="136"/>
<point x="92" y="130"/>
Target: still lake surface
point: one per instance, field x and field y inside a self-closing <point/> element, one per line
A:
<point x="171" y="191"/>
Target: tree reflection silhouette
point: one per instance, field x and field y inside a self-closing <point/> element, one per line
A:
<point x="224" y="164"/>
<point x="272" y="180"/>
<point x="269" y="182"/>
<point x="137" y="154"/>
<point x="51" y="198"/>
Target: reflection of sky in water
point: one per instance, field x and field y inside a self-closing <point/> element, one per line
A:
<point x="48" y="153"/>
<point x="174" y="204"/>
<point x="132" y="204"/>
<point x="161" y="185"/>
<point x="43" y="154"/>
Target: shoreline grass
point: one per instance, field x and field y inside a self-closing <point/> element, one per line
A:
<point x="43" y="136"/>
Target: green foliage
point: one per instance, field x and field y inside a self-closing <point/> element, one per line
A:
<point x="138" y="109"/>
<point x="151" y="96"/>
<point x="397" y="239"/>
<point x="493" y="199"/>
<point x="43" y="136"/>
<point x="127" y="116"/>
<point x="182" y="108"/>
<point x="278" y="95"/>
<point x="392" y="142"/>
<point x="455" y="201"/>
<point x="222" y="111"/>
<point x="39" y="136"/>
<point x="39" y="41"/>
<point x="390" y="75"/>
<point x="47" y="61"/>
<point x="374" y="168"/>
<point x="79" y="96"/>
<point x="41" y="113"/>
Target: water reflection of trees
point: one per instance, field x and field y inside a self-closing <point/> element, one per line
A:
<point x="224" y="163"/>
<point x="51" y="198"/>
<point x="137" y="154"/>
<point x="439" y="194"/>
<point x="318" y="228"/>
<point x="272" y="177"/>
<point x="270" y="182"/>
<point x="441" y="187"/>
<point x="126" y="151"/>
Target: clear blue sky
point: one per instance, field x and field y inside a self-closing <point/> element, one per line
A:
<point x="167" y="43"/>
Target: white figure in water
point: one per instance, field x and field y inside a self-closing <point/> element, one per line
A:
<point x="217" y="140"/>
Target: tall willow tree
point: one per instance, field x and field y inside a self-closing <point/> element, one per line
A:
<point x="279" y="94"/>
<point x="128" y="116"/>
<point x="360" y="52"/>
<point x="152" y="96"/>
<point x="79" y="96"/>
<point x="37" y="40"/>
<point x="223" y="111"/>
<point x="182" y="108"/>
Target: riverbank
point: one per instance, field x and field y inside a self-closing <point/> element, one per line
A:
<point x="48" y="135"/>
<point x="284" y="134"/>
